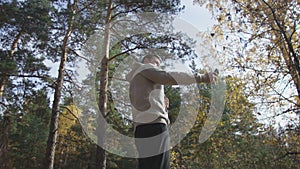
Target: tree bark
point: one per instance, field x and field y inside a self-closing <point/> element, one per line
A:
<point x="53" y="133"/>
<point x="102" y="104"/>
<point x="4" y="78"/>
<point x="5" y="162"/>
<point x="287" y="49"/>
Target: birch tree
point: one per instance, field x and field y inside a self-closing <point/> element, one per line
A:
<point x="260" y="44"/>
<point x="259" y="39"/>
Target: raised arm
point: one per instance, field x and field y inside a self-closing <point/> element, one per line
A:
<point x="173" y="78"/>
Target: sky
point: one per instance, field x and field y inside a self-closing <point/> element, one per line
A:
<point x="198" y="16"/>
<point x="202" y="20"/>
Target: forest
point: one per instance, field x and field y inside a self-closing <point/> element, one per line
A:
<point x="62" y="83"/>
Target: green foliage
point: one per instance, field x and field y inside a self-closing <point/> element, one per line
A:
<point x="28" y="134"/>
<point x="238" y="142"/>
<point x="34" y="30"/>
<point x="260" y="42"/>
<point x="72" y="143"/>
<point x="170" y="6"/>
<point x="7" y="65"/>
<point x="24" y="36"/>
<point x="22" y="16"/>
<point x="173" y="94"/>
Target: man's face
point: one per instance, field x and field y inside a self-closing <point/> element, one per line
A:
<point x="154" y="60"/>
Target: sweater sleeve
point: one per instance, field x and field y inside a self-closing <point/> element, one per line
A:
<point x="170" y="78"/>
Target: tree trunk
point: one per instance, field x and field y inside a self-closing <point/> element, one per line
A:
<point x="4" y="78"/>
<point x="101" y="127"/>
<point x="53" y="133"/>
<point x="288" y="52"/>
<point x="6" y="117"/>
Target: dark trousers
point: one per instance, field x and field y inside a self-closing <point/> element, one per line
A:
<point x="154" y="153"/>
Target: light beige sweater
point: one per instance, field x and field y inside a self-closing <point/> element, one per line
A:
<point x="146" y="91"/>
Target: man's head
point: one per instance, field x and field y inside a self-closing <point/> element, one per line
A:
<point x="153" y="59"/>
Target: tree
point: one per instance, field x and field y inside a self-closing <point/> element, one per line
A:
<point x="56" y="33"/>
<point x="231" y="144"/>
<point x="22" y="26"/>
<point x="51" y="143"/>
<point x="28" y="133"/>
<point x="22" y="44"/>
<point x="72" y="143"/>
<point x="73" y="22"/>
<point x="113" y="10"/>
<point x="259" y="39"/>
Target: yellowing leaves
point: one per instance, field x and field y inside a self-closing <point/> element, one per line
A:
<point x="297" y="100"/>
<point x="68" y="118"/>
<point x="70" y="138"/>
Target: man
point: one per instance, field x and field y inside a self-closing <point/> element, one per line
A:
<point x="150" y="116"/>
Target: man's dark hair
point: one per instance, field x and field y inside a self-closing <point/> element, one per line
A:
<point x="149" y="56"/>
